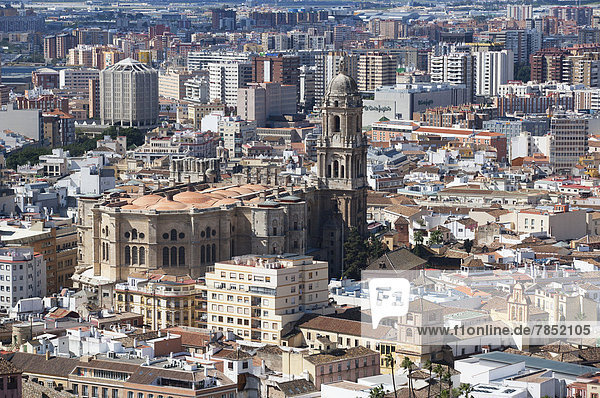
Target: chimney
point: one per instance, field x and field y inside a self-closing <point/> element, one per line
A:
<point x="47" y="355"/>
<point x="134" y="342"/>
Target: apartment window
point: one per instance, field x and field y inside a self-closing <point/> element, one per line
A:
<point x="84" y="390"/>
<point x="129" y="394"/>
<point x="94" y="391"/>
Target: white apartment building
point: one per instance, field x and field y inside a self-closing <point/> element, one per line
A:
<point x="225" y="80"/>
<point x="257" y="296"/>
<point x="492" y="69"/>
<point x="454" y="68"/>
<point x="197" y="60"/>
<point x="171" y="83"/>
<point x="22" y="275"/>
<point x="559" y="222"/>
<point x="328" y="66"/>
<point x="77" y="79"/>
<point x="197" y="89"/>
<point x="234" y="131"/>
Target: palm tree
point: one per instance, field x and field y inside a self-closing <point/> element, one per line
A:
<point x="389" y="361"/>
<point x="429" y="367"/>
<point x="407" y="364"/>
<point x="448" y="379"/>
<point x="466" y="389"/>
<point x="436" y="237"/>
<point x="439" y="370"/>
<point x="418" y="237"/>
<point x="377" y="392"/>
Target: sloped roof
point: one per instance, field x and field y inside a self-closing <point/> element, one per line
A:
<point x="398" y="260"/>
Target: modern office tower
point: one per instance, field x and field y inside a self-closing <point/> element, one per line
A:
<point x="520" y="12"/>
<point x="256" y="296"/>
<point x="129" y="94"/>
<point x="225" y="80"/>
<point x="454" y="68"/>
<point x="261" y="101"/>
<point x="77" y="79"/>
<point x="376" y="70"/>
<point x="569" y="139"/>
<point x="492" y="68"/>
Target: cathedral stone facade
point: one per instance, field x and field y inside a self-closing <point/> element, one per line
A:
<point x="182" y="230"/>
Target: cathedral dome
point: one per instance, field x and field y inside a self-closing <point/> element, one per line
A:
<point x="342" y="85"/>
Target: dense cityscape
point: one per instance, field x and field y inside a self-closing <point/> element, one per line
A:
<point x="300" y="199"/>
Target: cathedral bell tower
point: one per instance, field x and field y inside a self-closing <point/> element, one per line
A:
<point x="342" y="152"/>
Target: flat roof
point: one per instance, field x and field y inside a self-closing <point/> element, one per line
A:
<point x="537" y="363"/>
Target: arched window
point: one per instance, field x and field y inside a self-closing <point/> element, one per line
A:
<point x="328" y="171"/>
<point x="134" y="255"/>
<point x="107" y="251"/>
<point x="207" y="232"/>
<point x="127" y="255"/>
<point x="173" y="234"/>
<point x="182" y="255"/>
<point x="142" y="255"/>
<point x="165" y="256"/>
<point x="173" y="256"/>
<point x="520" y="314"/>
<point x="336" y="167"/>
<point x="409" y="332"/>
<point x="336" y="124"/>
<point x="202" y="255"/>
<point x="342" y="175"/>
<point x="134" y="234"/>
<point x="274" y="249"/>
<point x="214" y="252"/>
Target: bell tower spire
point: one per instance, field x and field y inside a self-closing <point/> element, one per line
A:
<point x="342" y="150"/>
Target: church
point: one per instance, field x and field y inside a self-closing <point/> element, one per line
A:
<point x="186" y="228"/>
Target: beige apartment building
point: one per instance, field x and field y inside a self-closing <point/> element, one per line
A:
<point x="559" y="222"/>
<point x="376" y="70"/>
<point x="163" y="300"/>
<point x="257" y="296"/>
<point x="171" y="84"/>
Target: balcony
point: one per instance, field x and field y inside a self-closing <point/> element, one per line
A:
<point x="262" y="290"/>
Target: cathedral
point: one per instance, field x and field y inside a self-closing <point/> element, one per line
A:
<point x="188" y="227"/>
